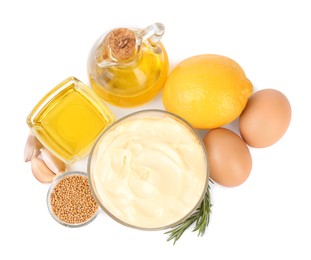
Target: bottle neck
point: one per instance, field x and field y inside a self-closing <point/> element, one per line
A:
<point x="119" y="47"/>
<point x="122" y="46"/>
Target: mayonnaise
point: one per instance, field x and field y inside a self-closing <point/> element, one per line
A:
<point x="149" y="171"/>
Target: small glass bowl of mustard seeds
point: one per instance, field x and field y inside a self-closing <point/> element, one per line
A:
<point x="70" y="200"/>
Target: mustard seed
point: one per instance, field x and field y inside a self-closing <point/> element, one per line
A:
<point x="71" y="200"/>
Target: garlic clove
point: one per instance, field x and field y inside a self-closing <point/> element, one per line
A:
<point x="41" y="172"/>
<point x="32" y="148"/>
<point x="52" y="162"/>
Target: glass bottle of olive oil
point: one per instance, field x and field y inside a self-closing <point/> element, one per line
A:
<point x="68" y="119"/>
<point x="128" y="66"/>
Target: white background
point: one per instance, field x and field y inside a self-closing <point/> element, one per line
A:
<point x="268" y="217"/>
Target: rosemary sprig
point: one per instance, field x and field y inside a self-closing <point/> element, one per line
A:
<point x="200" y="217"/>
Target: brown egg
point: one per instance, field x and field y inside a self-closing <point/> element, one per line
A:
<point x="229" y="157"/>
<point x="265" y="119"/>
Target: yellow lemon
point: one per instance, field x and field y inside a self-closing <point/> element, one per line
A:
<point x="207" y="90"/>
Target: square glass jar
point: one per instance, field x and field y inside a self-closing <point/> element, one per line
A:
<point x="68" y="119"/>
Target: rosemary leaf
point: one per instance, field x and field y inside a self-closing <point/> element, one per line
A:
<point x="204" y="215"/>
<point x="176" y="233"/>
<point x="200" y="217"/>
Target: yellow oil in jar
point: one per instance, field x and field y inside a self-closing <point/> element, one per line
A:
<point x="69" y="119"/>
<point x="129" y="86"/>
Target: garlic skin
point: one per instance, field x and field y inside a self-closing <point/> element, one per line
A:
<point x="40" y="170"/>
<point x="52" y="162"/>
<point x="32" y="148"/>
<point x="44" y="165"/>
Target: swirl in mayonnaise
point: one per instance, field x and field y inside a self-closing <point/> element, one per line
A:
<point x="149" y="170"/>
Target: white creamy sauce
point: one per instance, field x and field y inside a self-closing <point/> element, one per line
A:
<point x="149" y="171"/>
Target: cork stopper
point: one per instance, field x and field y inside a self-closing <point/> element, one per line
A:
<point x="122" y="43"/>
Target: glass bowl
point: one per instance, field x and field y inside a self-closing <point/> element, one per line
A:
<point x="50" y="207"/>
<point x="68" y="120"/>
<point x="149" y="170"/>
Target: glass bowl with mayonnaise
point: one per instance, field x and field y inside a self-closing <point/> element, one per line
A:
<point x="149" y="170"/>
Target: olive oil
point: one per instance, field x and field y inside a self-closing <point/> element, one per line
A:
<point x="128" y="67"/>
<point x="69" y="119"/>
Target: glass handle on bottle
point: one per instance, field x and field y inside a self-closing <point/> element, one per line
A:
<point x="152" y="33"/>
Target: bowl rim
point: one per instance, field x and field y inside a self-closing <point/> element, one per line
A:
<point x="51" y="188"/>
<point x="194" y="132"/>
